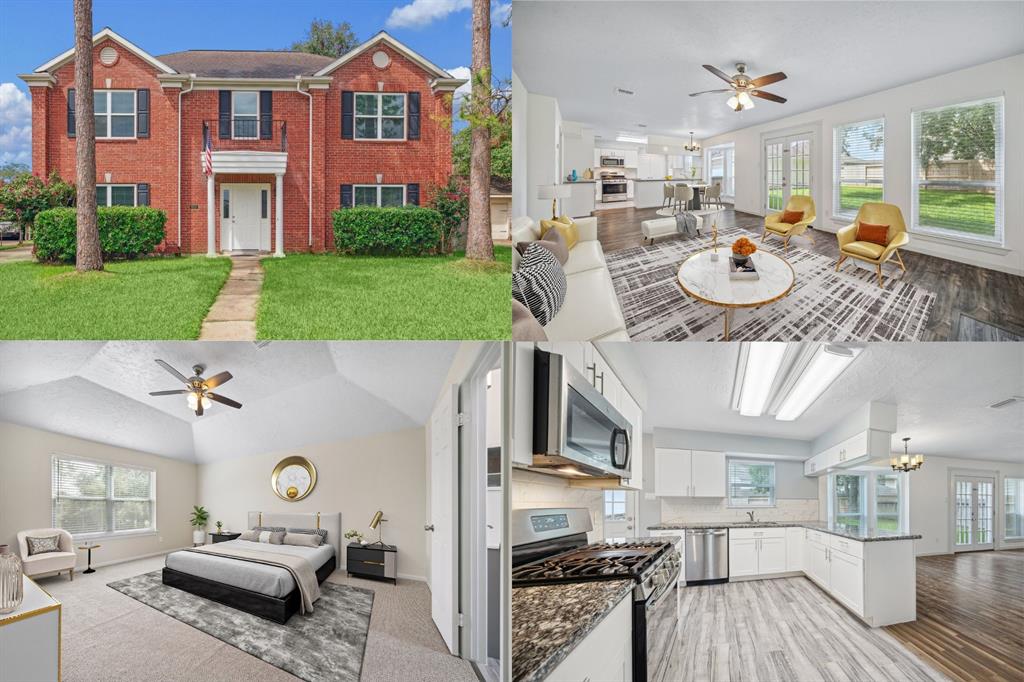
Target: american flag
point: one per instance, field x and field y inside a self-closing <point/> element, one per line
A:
<point x="207" y="156"/>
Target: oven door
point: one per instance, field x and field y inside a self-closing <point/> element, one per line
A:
<point x="658" y="659"/>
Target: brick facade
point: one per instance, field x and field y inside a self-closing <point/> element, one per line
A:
<point x="336" y="161"/>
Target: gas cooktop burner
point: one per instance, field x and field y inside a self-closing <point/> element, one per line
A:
<point x="604" y="561"/>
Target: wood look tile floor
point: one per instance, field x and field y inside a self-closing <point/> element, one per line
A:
<point x="987" y="296"/>
<point x="970" y="615"/>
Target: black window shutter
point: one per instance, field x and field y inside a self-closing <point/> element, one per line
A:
<point x="71" y="112"/>
<point x="266" y="114"/>
<point x="142" y="113"/>
<point x="414" y="115"/>
<point x="142" y="194"/>
<point x="224" y="115"/>
<point x="346" y="196"/>
<point x="412" y="194"/>
<point x="347" y="121"/>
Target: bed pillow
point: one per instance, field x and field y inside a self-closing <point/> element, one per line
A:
<point x="43" y="545"/>
<point x="302" y="539"/>
<point x="321" y="533"/>
<point x="272" y="537"/>
<point x="272" y="529"/>
<point x="250" y="535"/>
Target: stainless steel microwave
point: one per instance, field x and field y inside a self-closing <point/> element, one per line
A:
<point x="612" y="161"/>
<point x="576" y="431"/>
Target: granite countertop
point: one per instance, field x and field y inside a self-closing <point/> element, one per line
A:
<point x="548" y="621"/>
<point x="691" y="181"/>
<point x="851" y="532"/>
<point x="581" y="181"/>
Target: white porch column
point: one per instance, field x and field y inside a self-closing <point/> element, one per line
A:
<point x="279" y="216"/>
<point x="211" y="218"/>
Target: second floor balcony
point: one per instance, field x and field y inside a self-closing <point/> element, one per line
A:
<point x="246" y="132"/>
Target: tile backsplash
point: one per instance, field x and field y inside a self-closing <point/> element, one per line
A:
<point x="532" y="490"/>
<point x="700" y="510"/>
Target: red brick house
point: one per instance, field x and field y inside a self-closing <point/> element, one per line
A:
<point x="293" y="136"/>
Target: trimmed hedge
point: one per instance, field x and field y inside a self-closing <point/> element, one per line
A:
<point x="392" y="231"/>
<point x="125" y="232"/>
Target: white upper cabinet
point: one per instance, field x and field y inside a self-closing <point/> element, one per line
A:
<point x="855" y="450"/>
<point x="634" y="415"/>
<point x="689" y="473"/>
<point x="708" y="474"/>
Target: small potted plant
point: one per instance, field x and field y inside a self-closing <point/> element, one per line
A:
<point x="355" y="535"/>
<point x="741" y="250"/>
<point x="220" y="528"/>
<point x="200" y="517"/>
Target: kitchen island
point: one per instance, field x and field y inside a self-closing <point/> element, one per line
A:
<point x="649" y="193"/>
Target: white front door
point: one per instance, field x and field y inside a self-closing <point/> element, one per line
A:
<point x="442" y="524"/>
<point x="787" y="169"/>
<point x="245" y="217"/>
<point x="973" y="513"/>
<point x="619" y="514"/>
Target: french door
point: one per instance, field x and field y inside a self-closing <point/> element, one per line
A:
<point x="973" y="513"/>
<point x="787" y="169"/>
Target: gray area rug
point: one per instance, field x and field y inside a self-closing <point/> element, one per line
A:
<point x="325" y="645"/>
<point x="824" y="305"/>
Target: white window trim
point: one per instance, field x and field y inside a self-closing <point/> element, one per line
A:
<point x="838" y="213"/>
<point x="380" y="116"/>
<point x="751" y="460"/>
<point x="135" y="116"/>
<point x="246" y="116"/>
<point x="155" y="530"/>
<point x="1002" y="505"/>
<point x="135" y="192"/>
<point x="378" y="188"/>
<point x="868" y="501"/>
<point x="728" y="169"/>
<point x="999" y="240"/>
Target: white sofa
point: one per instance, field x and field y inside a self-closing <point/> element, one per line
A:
<point x="591" y="310"/>
<point x="48" y="562"/>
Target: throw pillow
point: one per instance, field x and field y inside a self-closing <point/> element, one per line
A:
<point x="250" y="535"/>
<point x="569" y="231"/>
<point x="876" y="234"/>
<point x="792" y="217"/>
<point x="274" y="529"/>
<point x="540" y="284"/>
<point x="320" y="533"/>
<point x="525" y="326"/>
<point x="301" y="540"/>
<point x="553" y="242"/>
<point x="43" y="545"/>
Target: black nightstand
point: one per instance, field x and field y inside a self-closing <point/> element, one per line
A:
<point x="223" y="537"/>
<point x="379" y="562"/>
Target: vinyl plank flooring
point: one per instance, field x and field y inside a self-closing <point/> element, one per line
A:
<point x="991" y="297"/>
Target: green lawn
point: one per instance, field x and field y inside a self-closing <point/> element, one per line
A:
<point x="362" y="297"/>
<point x="158" y="298"/>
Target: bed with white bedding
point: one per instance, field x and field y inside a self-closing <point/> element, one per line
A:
<point x="260" y="589"/>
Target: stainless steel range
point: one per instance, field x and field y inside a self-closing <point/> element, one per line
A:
<point x="549" y="546"/>
<point x="614" y="187"/>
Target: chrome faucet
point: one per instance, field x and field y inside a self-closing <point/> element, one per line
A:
<point x="751" y="515"/>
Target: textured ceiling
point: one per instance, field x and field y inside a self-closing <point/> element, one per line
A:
<point x="942" y="392"/>
<point x="831" y="51"/>
<point x="292" y="394"/>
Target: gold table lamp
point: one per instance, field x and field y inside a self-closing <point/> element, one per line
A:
<point x="375" y="523"/>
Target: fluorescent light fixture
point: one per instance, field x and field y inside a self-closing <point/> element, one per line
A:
<point x="761" y="365"/>
<point x="828" y="363"/>
<point x="630" y="137"/>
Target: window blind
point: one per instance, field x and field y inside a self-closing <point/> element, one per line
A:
<point x="958" y="171"/>
<point x="93" y="497"/>
<point x="859" y="170"/>
<point x="751" y="483"/>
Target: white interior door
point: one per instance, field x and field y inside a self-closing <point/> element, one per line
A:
<point x="973" y="513"/>
<point x="442" y="525"/>
<point x="245" y="210"/>
<point x="787" y="169"/>
<point x="619" y="514"/>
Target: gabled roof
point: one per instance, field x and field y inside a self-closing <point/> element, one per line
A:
<point x="245" y="63"/>
<point x="385" y="38"/>
<point x="106" y="33"/>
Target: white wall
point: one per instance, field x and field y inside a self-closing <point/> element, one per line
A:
<point x="519" y="147"/>
<point x="1005" y="76"/>
<point x="543" y="140"/>
<point x="355" y="477"/>
<point x="25" y="493"/>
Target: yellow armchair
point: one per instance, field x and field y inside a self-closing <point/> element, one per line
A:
<point x="869" y="252"/>
<point x="773" y="223"/>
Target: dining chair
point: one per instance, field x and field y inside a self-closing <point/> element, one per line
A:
<point x="667" y="195"/>
<point x="683" y="195"/>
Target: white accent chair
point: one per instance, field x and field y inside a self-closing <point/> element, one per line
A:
<point x="48" y="562"/>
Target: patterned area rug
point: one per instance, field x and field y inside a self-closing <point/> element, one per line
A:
<point x="824" y="305"/>
<point x="325" y="645"/>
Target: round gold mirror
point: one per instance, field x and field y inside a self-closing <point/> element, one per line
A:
<point x="293" y="478"/>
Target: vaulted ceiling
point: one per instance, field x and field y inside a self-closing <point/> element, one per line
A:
<point x="292" y="394"/>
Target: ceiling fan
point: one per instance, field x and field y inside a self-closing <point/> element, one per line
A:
<point x="198" y="391"/>
<point x="743" y="87"/>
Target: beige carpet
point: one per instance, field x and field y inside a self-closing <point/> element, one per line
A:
<point x="110" y="636"/>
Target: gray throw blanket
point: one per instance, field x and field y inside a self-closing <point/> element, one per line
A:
<point x="686" y="223"/>
<point x="301" y="570"/>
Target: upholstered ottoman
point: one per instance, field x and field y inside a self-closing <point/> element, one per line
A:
<point x="661" y="227"/>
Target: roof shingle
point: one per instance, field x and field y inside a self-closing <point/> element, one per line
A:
<point x="245" y="63"/>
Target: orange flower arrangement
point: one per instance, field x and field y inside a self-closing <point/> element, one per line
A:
<point x="743" y="247"/>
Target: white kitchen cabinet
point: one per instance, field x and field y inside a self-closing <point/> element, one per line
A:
<point x="846" y="580"/>
<point x="742" y="557"/>
<point x="857" y="449"/>
<point x="631" y="156"/>
<point x="606" y="654"/>
<point x="816" y="561"/>
<point x="771" y="556"/>
<point x="522" y="404"/>
<point x="794" y="549"/>
<point x="574" y="352"/>
<point x="650" y="165"/>
<point x="708" y="474"/>
<point x="672" y="472"/>
<point x="759" y="551"/>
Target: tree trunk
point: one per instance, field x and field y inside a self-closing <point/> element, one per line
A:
<point x="88" y="255"/>
<point x="479" y="245"/>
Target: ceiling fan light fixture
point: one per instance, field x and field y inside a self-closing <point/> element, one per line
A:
<point x="732" y="102"/>
<point x="745" y="100"/>
<point x="193" y="400"/>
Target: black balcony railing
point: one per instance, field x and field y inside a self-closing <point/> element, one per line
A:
<point x="257" y="131"/>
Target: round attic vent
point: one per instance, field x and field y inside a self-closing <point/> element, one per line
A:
<point x="381" y="59"/>
<point x="108" y="56"/>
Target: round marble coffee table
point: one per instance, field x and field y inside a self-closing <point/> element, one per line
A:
<point x="708" y="281"/>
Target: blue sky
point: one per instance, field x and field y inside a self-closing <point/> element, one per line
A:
<point x="34" y="31"/>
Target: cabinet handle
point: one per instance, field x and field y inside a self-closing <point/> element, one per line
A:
<point x="592" y="367"/>
<point x="373" y="563"/>
<point x="602" y="383"/>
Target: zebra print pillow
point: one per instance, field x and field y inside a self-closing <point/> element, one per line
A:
<point x="539" y="283"/>
<point x="322" y="532"/>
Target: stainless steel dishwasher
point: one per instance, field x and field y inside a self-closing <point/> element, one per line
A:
<point x="707" y="555"/>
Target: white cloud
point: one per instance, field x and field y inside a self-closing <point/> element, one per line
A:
<point x="15" y="125"/>
<point x="420" y="13"/>
<point x="463" y="91"/>
<point x="500" y="12"/>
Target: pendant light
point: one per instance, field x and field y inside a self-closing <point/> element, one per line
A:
<point x="906" y="462"/>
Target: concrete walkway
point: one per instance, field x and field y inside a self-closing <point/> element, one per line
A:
<point x="233" y="315"/>
<point x="20" y="253"/>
